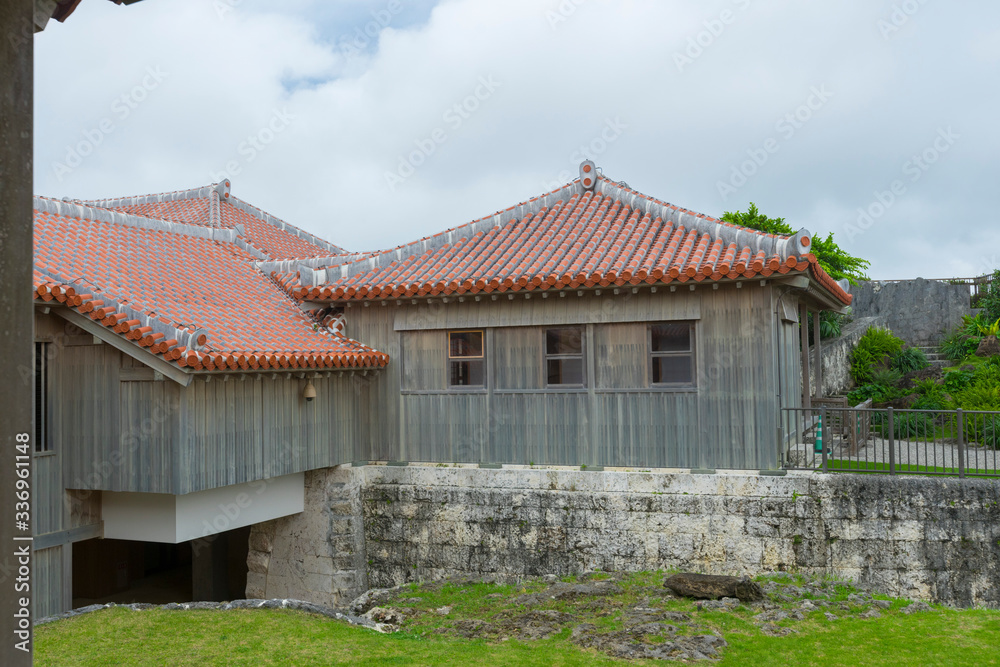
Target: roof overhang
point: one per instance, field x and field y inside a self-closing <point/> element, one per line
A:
<point x="123" y="345"/>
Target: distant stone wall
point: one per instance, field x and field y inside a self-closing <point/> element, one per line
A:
<point x="921" y="312"/>
<point x="930" y="538"/>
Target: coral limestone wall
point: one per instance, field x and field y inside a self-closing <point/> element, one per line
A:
<point x="930" y="538"/>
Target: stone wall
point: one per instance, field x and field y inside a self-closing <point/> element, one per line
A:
<point x="929" y="538"/>
<point x="921" y="312"/>
<point x="837" y="356"/>
<point x="317" y="555"/>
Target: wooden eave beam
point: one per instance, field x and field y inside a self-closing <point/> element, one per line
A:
<point x="114" y="340"/>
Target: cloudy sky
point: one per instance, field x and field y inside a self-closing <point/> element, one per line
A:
<point x="375" y="123"/>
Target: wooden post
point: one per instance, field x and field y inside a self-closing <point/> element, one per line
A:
<point x="16" y="312"/>
<point x="804" y="336"/>
<point x="818" y="391"/>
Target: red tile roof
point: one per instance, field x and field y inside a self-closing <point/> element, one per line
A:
<point x="577" y="236"/>
<point x="214" y="206"/>
<point x="191" y="293"/>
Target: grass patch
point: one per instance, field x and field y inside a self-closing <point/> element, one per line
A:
<point x="847" y="465"/>
<point x="439" y="616"/>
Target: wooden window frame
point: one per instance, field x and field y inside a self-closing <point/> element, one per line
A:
<point x="582" y="356"/>
<point x="449" y="359"/>
<point x="691" y="353"/>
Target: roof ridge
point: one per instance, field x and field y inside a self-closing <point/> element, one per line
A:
<point x="76" y="209"/>
<point x="275" y="221"/>
<point x="328" y="274"/>
<point x="222" y="188"/>
<point x="785" y="246"/>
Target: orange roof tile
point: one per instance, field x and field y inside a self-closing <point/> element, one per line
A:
<point x="573" y="237"/>
<point x="191" y="293"/>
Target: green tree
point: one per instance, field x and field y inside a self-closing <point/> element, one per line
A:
<point x="834" y="259"/>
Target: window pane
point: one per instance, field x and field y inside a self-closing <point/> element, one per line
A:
<point x="565" y="371"/>
<point x="466" y="343"/>
<point x="466" y="373"/>
<point x="564" y="341"/>
<point x="671" y="338"/>
<point x="672" y="370"/>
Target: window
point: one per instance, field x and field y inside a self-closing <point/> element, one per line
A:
<point x="672" y="354"/>
<point x="466" y="359"/>
<point x="564" y="357"/>
<point x="41" y="416"/>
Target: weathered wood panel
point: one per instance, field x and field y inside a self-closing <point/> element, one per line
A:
<point x="728" y="420"/>
<point x="518" y="358"/>
<point x="425" y="355"/>
<point x="48" y="577"/>
<point x="621" y="356"/>
<point x="48" y="505"/>
<point x="373" y="326"/>
<point x="240" y="430"/>
<point x="554" y="310"/>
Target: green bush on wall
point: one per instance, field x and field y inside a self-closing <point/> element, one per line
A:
<point x="875" y="350"/>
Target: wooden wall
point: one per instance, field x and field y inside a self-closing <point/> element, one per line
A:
<point x="242" y="428"/>
<point x="729" y="420"/>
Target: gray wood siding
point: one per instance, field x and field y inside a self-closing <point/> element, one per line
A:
<point x="729" y="420"/>
<point x="257" y="427"/>
<point x="48" y="506"/>
<point x="518" y="358"/>
<point x="373" y="326"/>
<point x="426" y="358"/>
<point x="50" y="582"/>
<point x="554" y="310"/>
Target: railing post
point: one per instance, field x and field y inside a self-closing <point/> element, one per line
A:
<point x="892" y="444"/>
<point x="960" y="436"/>
<point x="821" y="438"/>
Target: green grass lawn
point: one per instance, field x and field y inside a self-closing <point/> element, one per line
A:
<point x="848" y="465"/>
<point x="283" y="637"/>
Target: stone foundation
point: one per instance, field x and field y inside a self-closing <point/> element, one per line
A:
<point x="318" y="555"/>
<point x="380" y="526"/>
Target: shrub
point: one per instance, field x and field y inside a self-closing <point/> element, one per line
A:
<point x="876" y="348"/>
<point x="964" y="339"/>
<point x="886" y="377"/>
<point x="990" y="298"/>
<point x="909" y="359"/>
<point x="957" y="380"/>
<point x="979" y="396"/>
<point x="932" y="396"/>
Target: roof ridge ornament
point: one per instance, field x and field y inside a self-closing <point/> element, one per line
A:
<point x="588" y="175"/>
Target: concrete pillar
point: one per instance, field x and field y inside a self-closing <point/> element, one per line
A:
<point x="209" y="569"/>
<point x="16" y="310"/>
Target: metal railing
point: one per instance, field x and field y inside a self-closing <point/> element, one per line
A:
<point x="861" y="439"/>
